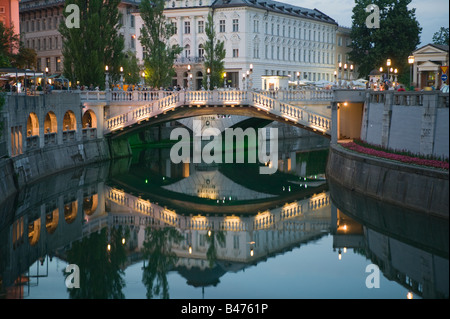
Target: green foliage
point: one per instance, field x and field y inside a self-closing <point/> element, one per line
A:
<point x="441" y="37"/>
<point x="25" y="58"/>
<point x="159" y="57"/>
<point x="397" y="37"/>
<point x="131" y="68"/>
<point x="97" y="43"/>
<point x="214" y="54"/>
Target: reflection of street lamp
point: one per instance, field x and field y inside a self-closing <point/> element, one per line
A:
<point x="411" y="62"/>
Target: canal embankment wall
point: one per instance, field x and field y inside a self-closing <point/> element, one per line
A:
<point x="45" y="135"/>
<point x="420" y="189"/>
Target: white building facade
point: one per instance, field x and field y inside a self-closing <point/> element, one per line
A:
<point x="280" y="41"/>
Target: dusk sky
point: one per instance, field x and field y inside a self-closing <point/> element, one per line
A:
<point x="431" y="14"/>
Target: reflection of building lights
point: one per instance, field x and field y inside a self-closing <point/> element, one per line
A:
<point x="108" y="247"/>
<point x="409" y="295"/>
<point x="190" y="249"/>
<point x="344" y="227"/>
<point x="123" y="241"/>
<point x="209" y="233"/>
<point x="345" y="250"/>
<point x="251" y="252"/>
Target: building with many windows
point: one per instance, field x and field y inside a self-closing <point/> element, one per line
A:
<point x="39" y="24"/>
<point x="280" y="41"/>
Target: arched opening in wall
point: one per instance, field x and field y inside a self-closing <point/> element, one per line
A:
<point x="32" y="125"/>
<point x="69" y="121"/>
<point x="89" y="119"/>
<point x="90" y="204"/>
<point x="32" y="131"/>
<point x="51" y="221"/>
<point x="89" y="124"/>
<point x="70" y="211"/>
<point x="50" y="123"/>
<point x="69" y="126"/>
<point x="34" y="231"/>
<point x="50" y="128"/>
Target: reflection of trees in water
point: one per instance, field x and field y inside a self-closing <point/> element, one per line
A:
<point x="157" y="252"/>
<point x="212" y="239"/>
<point x="100" y="258"/>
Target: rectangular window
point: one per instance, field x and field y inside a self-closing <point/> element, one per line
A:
<point x="222" y="26"/>
<point x="58" y="64"/>
<point x="132" y="21"/>
<point x="235" y="53"/>
<point x="201" y="26"/>
<point x="235" y="25"/>
<point x="187" y="27"/>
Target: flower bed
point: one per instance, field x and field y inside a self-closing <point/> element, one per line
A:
<point x="396" y="157"/>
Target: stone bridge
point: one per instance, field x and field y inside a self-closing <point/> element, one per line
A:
<point x="126" y="111"/>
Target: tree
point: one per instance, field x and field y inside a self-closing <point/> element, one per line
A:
<point x="131" y="68"/>
<point x="397" y="37"/>
<point x="95" y="44"/>
<point x="441" y="37"/>
<point x="214" y="54"/>
<point x="159" y="56"/>
<point x="25" y="58"/>
<point x="9" y="43"/>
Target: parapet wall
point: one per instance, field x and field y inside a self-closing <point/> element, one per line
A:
<point x="416" y="188"/>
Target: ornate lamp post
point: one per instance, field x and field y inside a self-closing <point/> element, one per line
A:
<point x="388" y="64"/>
<point x="250" y="80"/>
<point x="209" y="78"/>
<point x="121" y="78"/>
<point x="189" y="78"/>
<point x="298" y="80"/>
<point x="411" y="62"/>
<point x="340" y="74"/>
<point x="396" y="75"/>
<point x="243" y="81"/>
<point x="106" y="79"/>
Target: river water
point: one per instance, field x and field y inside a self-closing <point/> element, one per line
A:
<point x="144" y="227"/>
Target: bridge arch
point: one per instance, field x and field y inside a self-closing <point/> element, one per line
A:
<point x="32" y="125"/>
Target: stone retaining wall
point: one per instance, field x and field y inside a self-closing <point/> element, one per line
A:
<point x="420" y="189"/>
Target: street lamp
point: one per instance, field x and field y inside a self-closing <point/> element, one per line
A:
<point x="121" y="77"/>
<point x="106" y="78"/>
<point x="243" y="81"/>
<point x="298" y="80"/>
<point x="411" y="62"/>
<point x="395" y="74"/>
<point x="46" y="76"/>
<point x="209" y="78"/>
<point x="388" y="64"/>
<point x="224" y="79"/>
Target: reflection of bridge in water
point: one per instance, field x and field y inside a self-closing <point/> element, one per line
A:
<point x="78" y="204"/>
